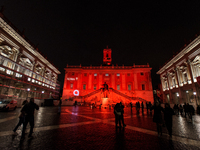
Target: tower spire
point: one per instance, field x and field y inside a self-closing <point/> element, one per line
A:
<point x="107" y="58"/>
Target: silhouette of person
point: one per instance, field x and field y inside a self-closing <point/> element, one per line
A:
<point x="131" y="106"/>
<point x="122" y="114"/>
<point x="59" y="106"/>
<point x="142" y="105"/>
<point x="29" y="110"/>
<point x="168" y="113"/>
<point x="157" y="117"/>
<point x="21" y="117"/>
<point x="147" y="106"/>
<point x="117" y="112"/>
<point x="185" y="109"/>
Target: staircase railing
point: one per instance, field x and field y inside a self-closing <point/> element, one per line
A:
<point x="126" y="96"/>
<point x="92" y="93"/>
<point x="115" y="91"/>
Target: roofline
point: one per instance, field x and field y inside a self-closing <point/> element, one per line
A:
<point x="177" y="57"/>
<point x="8" y="29"/>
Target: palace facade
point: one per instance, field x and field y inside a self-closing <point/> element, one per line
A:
<point x="125" y="83"/>
<point x="24" y="72"/>
<point x="179" y="76"/>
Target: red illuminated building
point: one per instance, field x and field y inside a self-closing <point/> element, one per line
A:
<point x="107" y="84"/>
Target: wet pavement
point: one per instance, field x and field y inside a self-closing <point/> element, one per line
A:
<point x="86" y="128"/>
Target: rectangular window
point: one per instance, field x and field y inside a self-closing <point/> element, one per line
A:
<point x="166" y="85"/>
<point x="173" y="80"/>
<point x="71" y="86"/>
<point x="185" y="77"/>
<point x="85" y="74"/>
<point x="129" y="87"/>
<point x="143" y="87"/>
<point x="106" y="74"/>
<point x="84" y="86"/>
<point x="118" y="74"/>
<point x="118" y="87"/>
<point x="34" y="75"/>
<point x="141" y="73"/>
<point x="128" y="74"/>
<point x="95" y="86"/>
<point x="95" y="74"/>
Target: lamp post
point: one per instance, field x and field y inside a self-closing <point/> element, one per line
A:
<point x="177" y="94"/>
<point x="195" y="97"/>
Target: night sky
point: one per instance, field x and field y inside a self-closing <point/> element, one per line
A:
<point x="76" y="32"/>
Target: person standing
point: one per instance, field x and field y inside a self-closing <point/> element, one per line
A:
<point x="181" y="109"/>
<point x="185" y="109"/>
<point x="168" y="113"/>
<point x="59" y="106"/>
<point x="117" y="112"/>
<point x="131" y="106"/>
<point x="29" y="110"/>
<point x="157" y="117"/>
<point x="147" y="106"/>
<point x="21" y="117"/>
<point x="150" y="105"/>
<point x="122" y="114"/>
<point x="142" y="105"/>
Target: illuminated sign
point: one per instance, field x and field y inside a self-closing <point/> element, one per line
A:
<point x="72" y="79"/>
<point x="76" y="92"/>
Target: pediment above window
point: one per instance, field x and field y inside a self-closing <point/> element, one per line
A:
<point x="196" y="60"/>
<point x="8" y="52"/>
<point x="26" y="62"/>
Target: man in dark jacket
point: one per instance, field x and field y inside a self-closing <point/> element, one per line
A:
<point x="29" y="110"/>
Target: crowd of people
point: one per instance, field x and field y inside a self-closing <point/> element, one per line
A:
<point x="27" y="114"/>
<point x="162" y="116"/>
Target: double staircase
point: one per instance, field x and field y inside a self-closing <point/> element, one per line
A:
<point x="129" y="98"/>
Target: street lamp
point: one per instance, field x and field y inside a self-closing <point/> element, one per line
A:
<point x="195" y="97"/>
<point x="177" y="94"/>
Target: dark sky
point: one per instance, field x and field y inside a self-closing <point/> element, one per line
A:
<point x="76" y="32"/>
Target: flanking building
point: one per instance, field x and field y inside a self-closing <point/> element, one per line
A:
<point x="179" y="76"/>
<point x="107" y="84"/>
<point x="24" y="71"/>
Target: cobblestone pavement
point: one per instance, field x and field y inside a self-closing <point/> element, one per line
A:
<point x="86" y="128"/>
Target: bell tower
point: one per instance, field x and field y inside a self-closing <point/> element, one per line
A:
<point x="107" y="59"/>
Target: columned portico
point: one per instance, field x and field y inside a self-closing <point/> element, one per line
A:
<point x="186" y="70"/>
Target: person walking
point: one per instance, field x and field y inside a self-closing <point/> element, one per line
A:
<point x="157" y="117"/>
<point x="21" y="117"/>
<point x="28" y="110"/>
<point x="168" y="113"/>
